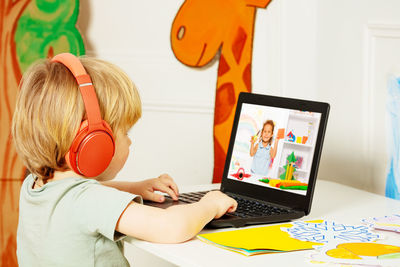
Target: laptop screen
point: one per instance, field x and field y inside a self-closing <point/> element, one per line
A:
<point x="274" y="147"/>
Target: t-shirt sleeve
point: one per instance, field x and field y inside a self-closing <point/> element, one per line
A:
<point x="98" y="208"/>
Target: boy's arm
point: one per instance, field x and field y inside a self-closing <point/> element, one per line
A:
<point x="175" y="224"/>
<point x="146" y="188"/>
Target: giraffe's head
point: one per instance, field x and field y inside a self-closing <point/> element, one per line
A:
<point x="202" y="26"/>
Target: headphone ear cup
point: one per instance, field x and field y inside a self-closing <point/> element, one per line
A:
<point x="91" y="152"/>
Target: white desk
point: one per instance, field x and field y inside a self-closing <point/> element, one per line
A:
<point x="332" y="201"/>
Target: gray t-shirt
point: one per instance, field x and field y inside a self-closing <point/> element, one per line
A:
<point x="70" y="222"/>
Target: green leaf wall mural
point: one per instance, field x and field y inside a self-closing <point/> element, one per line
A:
<point x="30" y="30"/>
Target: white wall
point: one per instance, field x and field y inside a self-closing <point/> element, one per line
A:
<point x="338" y="51"/>
<point x="175" y="133"/>
<point x="358" y="45"/>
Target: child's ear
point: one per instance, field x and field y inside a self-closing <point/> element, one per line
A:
<point x="67" y="160"/>
<point x="258" y="3"/>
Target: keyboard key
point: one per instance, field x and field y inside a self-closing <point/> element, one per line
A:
<point x="246" y="208"/>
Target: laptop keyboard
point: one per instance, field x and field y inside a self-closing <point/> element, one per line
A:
<point x="192" y="196"/>
<point x="250" y="208"/>
<point x="246" y="208"/>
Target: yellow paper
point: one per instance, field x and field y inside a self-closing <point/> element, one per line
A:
<point x="387" y="224"/>
<point x="342" y="253"/>
<point x="369" y="249"/>
<point x="267" y="237"/>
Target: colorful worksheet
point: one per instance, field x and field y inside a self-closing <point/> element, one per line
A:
<point x="287" y="237"/>
<point x="329" y="231"/>
<point x="257" y="240"/>
<point x="358" y="253"/>
<point x="387" y="223"/>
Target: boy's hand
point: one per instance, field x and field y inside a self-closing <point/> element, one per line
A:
<point x="221" y="201"/>
<point x="163" y="183"/>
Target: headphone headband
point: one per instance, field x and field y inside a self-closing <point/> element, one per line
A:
<point x="93" y="147"/>
<point x="85" y="86"/>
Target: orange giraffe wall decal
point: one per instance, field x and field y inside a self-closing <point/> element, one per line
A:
<point x="29" y="30"/>
<point x="200" y="29"/>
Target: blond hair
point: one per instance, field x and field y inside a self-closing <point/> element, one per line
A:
<point x="50" y="109"/>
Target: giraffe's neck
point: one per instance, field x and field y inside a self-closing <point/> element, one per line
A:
<point x="235" y="61"/>
<point x="234" y="76"/>
<point x="234" y="71"/>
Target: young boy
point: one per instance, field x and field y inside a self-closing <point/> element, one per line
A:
<point x="73" y="143"/>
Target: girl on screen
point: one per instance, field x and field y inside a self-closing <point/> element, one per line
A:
<point x="262" y="151"/>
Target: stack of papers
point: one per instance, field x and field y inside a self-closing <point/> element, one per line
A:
<point x="258" y="240"/>
<point x="387" y="223"/>
<point x="358" y="254"/>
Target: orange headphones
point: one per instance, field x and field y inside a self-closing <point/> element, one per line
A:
<point x="93" y="147"/>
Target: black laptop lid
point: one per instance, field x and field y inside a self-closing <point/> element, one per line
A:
<point x="293" y="128"/>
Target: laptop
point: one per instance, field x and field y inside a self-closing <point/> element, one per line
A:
<point x="272" y="160"/>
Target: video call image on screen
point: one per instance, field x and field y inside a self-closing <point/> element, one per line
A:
<point x="274" y="147"/>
